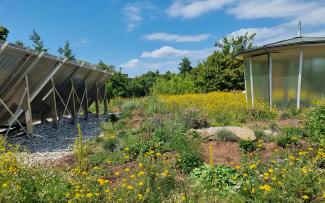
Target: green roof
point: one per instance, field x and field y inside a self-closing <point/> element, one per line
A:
<point x="287" y="42"/>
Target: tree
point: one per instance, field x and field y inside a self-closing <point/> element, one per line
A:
<point x="104" y="66"/>
<point x="66" y="51"/>
<point x="3" y="33"/>
<point x="236" y="44"/>
<point x="19" y="42"/>
<point x="37" y="42"/>
<point x="185" y="66"/>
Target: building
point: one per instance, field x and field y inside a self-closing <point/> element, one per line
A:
<point x="286" y="73"/>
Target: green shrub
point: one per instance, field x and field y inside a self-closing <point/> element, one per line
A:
<point x="188" y="161"/>
<point x="315" y="124"/>
<point x="109" y="145"/>
<point x="247" y="145"/>
<point x="285" y="140"/>
<point x="220" y="179"/>
<point x="226" y="136"/>
<point x="194" y="119"/>
<point x="260" y="134"/>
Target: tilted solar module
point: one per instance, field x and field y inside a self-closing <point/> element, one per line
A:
<point x="36" y="85"/>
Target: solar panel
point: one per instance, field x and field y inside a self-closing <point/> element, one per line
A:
<point x="36" y="86"/>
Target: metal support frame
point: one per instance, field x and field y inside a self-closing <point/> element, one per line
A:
<point x="3" y="47"/>
<point x="96" y="101"/>
<point x="85" y="106"/>
<point x="245" y="82"/>
<point x="252" y="83"/>
<point x="73" y="106"/>
<point x="28" y="111"/>
<point x="54" y="112"/>
<point x="105" y="102"/>
<point x="301" y="56"/>
<point x="270" y="79"/>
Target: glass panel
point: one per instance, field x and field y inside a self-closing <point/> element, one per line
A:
<point x="260" y="70"/>
<point x="313" y="75"/>
<point x="247" y="79"/>
<point x="285" y="69"/>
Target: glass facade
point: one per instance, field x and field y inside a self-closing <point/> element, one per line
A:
<point x="285" y="70"/>
<point x="247" y="80"/>
<point x="260" y="71"/>
<point x="313" y="75"/>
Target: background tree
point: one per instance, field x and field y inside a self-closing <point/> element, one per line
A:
<point x="185" y="66"/>
<point x="19" y="42"/>
<point x="233" y="45"/>
<point x="66" y="51"/>
<point x="37" y="42"/>
<point x="3" y="33"/>
<point x="104" y="66"/>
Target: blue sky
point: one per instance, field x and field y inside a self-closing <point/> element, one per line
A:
<point x="148" y="35"/>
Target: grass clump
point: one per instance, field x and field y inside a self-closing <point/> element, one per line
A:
<point x="226" y="136"/>
<point x="188" y="161"/>
<point x="247" y="145"/>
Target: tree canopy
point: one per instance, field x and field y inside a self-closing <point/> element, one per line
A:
<point x="38" y="43"/>
<point x="3" y="33"/>
<point x="66" y="51"/>
<point x="185" y="66"/>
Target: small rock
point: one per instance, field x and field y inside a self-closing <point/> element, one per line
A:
<point x="241" y="133"/>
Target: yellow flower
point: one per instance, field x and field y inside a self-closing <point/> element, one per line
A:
<point x="89" y="195"/>
<point x="140" y="183"/>
<point x="78" y="195"/>
<point x="117" y="173"/>
<point x="106" y="191"/>
<point x="132" y="176"/>
<point x="237" y="167"/>
<point x="140" y="165"/>
<point x="270" y="170"/>
<point x="252" y="166"/>
<point x="126" y="149"/>
<point x="183" y="197"/>
<point x="304" y="170"/>
<point x="101" y="181"/>
<point x="324" y="195"/>
<point x="305" y="197"/>
<point x="141" y="173"/>
<point x="130" y="187"/>
<point x="126" y="157"/>
<point x="253" y="190"/>
<point x="165" y="173"/>
<point x="140" y="196"/>
<point x="4" y="185"/>
<point x="266" y="188"/>
<point x="302" y="153"/>
<point x="127" y="169"/>
<point x="245" y="174"/>
<point x="158" y="154"/>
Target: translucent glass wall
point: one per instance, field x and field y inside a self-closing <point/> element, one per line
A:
<point x="260" y="71"/>
<point x="285" y="69"/>
<point x="247" y="79"/>
<point x="313" y="75"/>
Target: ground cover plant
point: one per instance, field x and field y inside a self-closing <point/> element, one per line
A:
<point x="152" y="154"/>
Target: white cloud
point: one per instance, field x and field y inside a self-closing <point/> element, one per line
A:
<point x="133" y="13"/>
<point x="168" y="51"/>
<point x="194" y="8"/>
<point x="176" y="38"/>
<point x="131" y="63"/>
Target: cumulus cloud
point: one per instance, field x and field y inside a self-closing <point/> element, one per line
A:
<point x="192" y="9"/>
<point x="168" y="51"/>
<point x="176" y="38"/>
<point x="133" y="13"/>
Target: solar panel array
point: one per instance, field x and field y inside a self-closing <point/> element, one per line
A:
<point x="36" y="86"/>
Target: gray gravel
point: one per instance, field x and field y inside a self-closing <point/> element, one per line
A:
<point x="47" y="139"/>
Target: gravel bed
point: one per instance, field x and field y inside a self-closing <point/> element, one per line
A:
<point x="47" y="139"/>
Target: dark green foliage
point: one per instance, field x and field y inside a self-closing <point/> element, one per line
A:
<point x="104" y="66"/>
<point x="38" y="43"/>
<point x="109" y="145"/>
<point x="19" y="42"/>
<point x="66" y="51"/>
<point x="247" y="145"/>
<point x="315" y="124"/>
<point x="286" y="140"/>
<point x="226" y="136"/>
<point x="97" y="158"/>
<point x="188" y="161"/>
<point x="3" y="33"/>
<point x="185" y="66"/>
<point x="194" y="119"/>
<point x="260" y="134"/>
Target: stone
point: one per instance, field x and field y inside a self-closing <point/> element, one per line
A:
<point x="240" y="132"/>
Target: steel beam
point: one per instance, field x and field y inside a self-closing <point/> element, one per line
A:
<point x="54" y="112"/>
<point x="28" y="112"/>
<point x="105" y="102"/>
<point x="252" y="84"/>
<point x="73" y="107"/>
<point x="97" y="101"/>
<point x="3" y="47"/>
<point x="85" y="106"/>
<point x="299" y="78"/>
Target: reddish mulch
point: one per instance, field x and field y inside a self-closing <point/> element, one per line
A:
<point x="226" y="153"/>
<point x="137" y="119"/>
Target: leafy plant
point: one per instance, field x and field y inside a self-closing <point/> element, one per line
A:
<point x="247" y="145"/>
<point x="188" y="161"/>
<point x="194" y="119"/>
<point x="226" y="136"/>
<point x="219" y="178"/>
<point x="315" y="124"/>
<point x="285" y="140"/>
